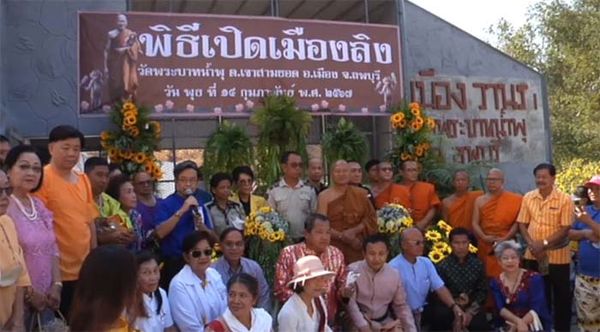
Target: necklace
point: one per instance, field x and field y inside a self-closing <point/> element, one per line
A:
<point x="513" y="286"/>
<point x="29" y="215"/>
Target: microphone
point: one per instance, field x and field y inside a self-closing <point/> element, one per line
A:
<point x="195" y="209"/>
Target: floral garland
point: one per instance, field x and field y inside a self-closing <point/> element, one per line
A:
<point x="412" y="131"/>
<point x="438" y="242"/>
<point x="133" y="143"/>
<point x="266" y="232"/>
<point x="392" y="219"/>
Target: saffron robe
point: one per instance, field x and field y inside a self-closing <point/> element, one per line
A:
<point x="348" y="211"/>
<point x="422" y="197"/>
<point x="395" y="194"/>
<point x="460" y="213"/>
<point x="496" y="217"/>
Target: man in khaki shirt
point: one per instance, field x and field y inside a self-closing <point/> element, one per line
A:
<point x="290" y="197"/>
<point x="544" y="221"/>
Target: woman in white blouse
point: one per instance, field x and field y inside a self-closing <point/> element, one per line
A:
<point x="241" y="314"/>
<point x="156" y="314"/>
<point x="306" y="311"/>
<point x="196" y="294"/>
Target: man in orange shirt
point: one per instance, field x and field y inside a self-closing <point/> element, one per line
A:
<point x="68" y="194"/>
<point x="494" y="219"/>
<point x="457" y="209"/>
<point x="386" y="191"/>
<point x="423" y="200"/>
<point x="544" y="221"/>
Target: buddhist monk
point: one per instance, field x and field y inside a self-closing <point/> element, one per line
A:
<point x="349" y="211"/>
<point x="494" y="219"/>
<point x="457" y="209"/>
<point x="423" y="200"/>
<point x="386" y="191"/>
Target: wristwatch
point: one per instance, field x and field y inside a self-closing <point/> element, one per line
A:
<point x="545" y="242"/>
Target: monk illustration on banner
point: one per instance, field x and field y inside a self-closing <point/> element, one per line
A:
<point x="349" y="211"/>
<point x="457" y="209"/>
<point x="121" y="55"/>
<point x="494" y="219"/>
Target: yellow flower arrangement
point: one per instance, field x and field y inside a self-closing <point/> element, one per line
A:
<point x="392" y="219"/>
<point x="133" y="141"/>
<point x="472" y="249"/>
<point x="436" y="256"/>
<point x="438" y="241"/>
<point x="444" y="226"/>
<point x="433" y="235"/>
<point x="413" y="130"/>
<point x="442" y="247"/>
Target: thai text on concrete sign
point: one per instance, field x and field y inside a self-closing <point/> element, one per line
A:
<point x="206" y="64"/>
<point x="485" y="119"/>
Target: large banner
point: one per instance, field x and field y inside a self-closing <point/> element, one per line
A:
<point x="207" y="64"/>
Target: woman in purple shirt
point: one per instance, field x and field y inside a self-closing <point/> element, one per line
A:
<point x="34" y="225"/>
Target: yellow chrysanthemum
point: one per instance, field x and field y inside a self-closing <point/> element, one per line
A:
<point x="431" y="123"/>
<point x="416" y="112"/>
<point x="436" y="256"/>
<point x="129" y="121"/>
<point x="381" y="229"/>
<point x="129" y="106"/>
<point x="402" y="123"/>
<point x="414" y="105"/>
<point x="415" y="126"/>
<point x="396" y="118"/>
<point x="472" y="249"/>
<point x="433" y="235"/>
<point x="419" y="151"/>
<point x="442" y="247"/>
<point x="419" y="120"/>
<point x="405" y="156"/>
<point x="139" y="158"/>
<point x="444" y="226"/>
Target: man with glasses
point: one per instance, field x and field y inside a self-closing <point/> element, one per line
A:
<point x="386" y="191"/>
<point x="290" y="197"/>
<point x="420" y="277"/>
<point x="494" y="219"/>
<point x="144" y="188"/>
<point x="179" y="215"/>
<point x="232" y="263"/>
<point x="423" y="200"/>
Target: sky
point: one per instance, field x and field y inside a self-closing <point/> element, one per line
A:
<point x="476" y="16"/>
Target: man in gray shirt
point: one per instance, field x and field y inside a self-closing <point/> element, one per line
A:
<point x="290" y="197"/>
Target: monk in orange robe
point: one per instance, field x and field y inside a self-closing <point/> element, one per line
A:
<point x="494" y="219"/>
<point x="457" y="209"/>
<point x="423" y="200"/>
<point x="386" y="191"/>
<point x="350" y="213"/>
<point x="121" y="55"/>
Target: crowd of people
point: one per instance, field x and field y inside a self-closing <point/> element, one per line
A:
<point x="100" y="249"/>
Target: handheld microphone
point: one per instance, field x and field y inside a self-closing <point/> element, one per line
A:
<point x="195" y="209"/>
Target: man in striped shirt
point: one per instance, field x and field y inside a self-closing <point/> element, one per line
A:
<point x="544" y="221"/>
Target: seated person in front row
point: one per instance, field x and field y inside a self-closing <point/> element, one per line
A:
<point x="305" y="310"/>
<point x="224" y="212"/>
<point x="518" y="293"/>
<point x="419" y="276"/>
<point x="464" y="275"/>
<point x="232" y="263"/>
<point x="379" y="299"/>
<point x="240" y="315"/>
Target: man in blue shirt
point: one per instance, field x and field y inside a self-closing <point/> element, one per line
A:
<point x="178" y="215"/>
<point x="586" y="230"/>
<point x="419" y="276"/>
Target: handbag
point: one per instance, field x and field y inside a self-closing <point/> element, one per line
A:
<point x="57" y="324"/>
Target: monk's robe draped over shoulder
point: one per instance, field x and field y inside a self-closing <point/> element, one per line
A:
<point x="395" y="194"/>
<point x="460" y="213"/>
<point x="122" y="66"/>
<point x="422" y="198"/>
<point x="348" y="211"/>
<point x="496" y="217"/>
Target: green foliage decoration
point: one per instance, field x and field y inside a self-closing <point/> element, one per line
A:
<point x="228" y="147"/>
<point x="344" y="141"/>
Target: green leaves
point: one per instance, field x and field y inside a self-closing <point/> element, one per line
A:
<point x="227" y="148"/>
<point x="345" y="141"/>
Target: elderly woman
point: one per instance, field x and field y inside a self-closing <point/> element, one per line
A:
<point x="241" y="316"/>
<point x="196" y="294"/>
<point x="223" y="211"/>
<point x="35" y="230"/>
<point x="120" y="188"/>
<point x="518" y="293"/>
<point x="306" y="311"/>
<point x="243" y="178"/>
<point x="14" y="275"/>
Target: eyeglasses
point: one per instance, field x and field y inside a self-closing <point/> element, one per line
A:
<point x="200" y="253"/>
<point x="6" y="191"/>
<point x="233" y="245"/>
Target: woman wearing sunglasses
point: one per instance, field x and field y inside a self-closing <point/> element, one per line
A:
<point x="197" y="294"/>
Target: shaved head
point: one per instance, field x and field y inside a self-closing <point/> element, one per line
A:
<point x="340" y="172"/>
<point x="315" y="169"/>
<point x="495" y="181"/>
<point x="496" y="172"/>
<point x="461" y="181"/>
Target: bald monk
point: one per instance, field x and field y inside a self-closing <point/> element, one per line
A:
<point x="457" y="209"/>
<point x="386" y="191"/>
<point x="351" y="215"/>
<point x="494" y="219"/>
<point x="423" y="200"/>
